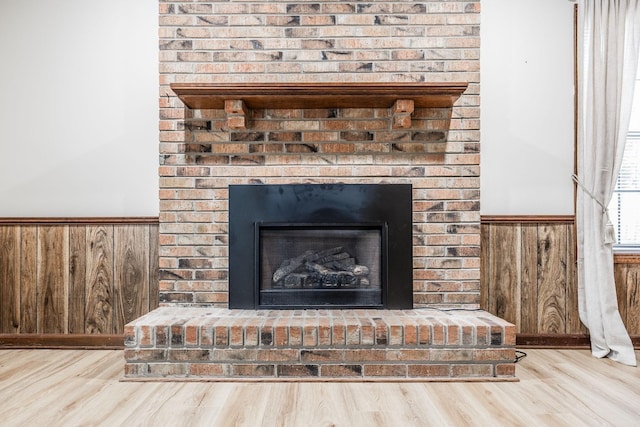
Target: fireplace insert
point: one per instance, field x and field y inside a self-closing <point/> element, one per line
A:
<point x="320" y="246"/>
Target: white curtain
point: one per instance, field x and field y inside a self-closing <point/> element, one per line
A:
<point x="609" y="40"/>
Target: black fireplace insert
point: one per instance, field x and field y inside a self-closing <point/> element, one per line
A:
<point x="320" y="246"/>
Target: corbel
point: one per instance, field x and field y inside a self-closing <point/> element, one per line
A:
<point x="401" y="113"/>
<point x="237" y="113"/>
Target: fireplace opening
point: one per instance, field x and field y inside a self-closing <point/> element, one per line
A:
<point x="311" y="265"/>
<point x="320" y="246"/>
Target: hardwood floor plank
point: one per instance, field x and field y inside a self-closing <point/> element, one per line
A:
<point x="81" y="387"/>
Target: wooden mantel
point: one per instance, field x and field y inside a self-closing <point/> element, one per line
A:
<point x="318" y="95"/>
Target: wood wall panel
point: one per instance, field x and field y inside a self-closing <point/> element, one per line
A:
<point x="528" y="286"/>
<point x="504" y="240"/>
<point x="77" y="278"/>
<point x="131" y="271"/>
<point x="74" y="278"/>
<point x="99" y="285"/>
<point x="538" y="283"/>
<point x="9" y="272"/>
<point x="552" y="278"/>
<point x="52" y="280"/>
<point x="28" y="279"/>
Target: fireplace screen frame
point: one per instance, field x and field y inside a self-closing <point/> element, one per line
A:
<point x="316" y="204"/>
<point x="339" y="297"/>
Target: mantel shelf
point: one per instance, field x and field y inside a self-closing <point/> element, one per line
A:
<point x="318" y="95"/>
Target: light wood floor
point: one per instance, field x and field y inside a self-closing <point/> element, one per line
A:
<point x="82" y="388"/>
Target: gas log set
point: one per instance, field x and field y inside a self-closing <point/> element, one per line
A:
<point x="328" y="268"/>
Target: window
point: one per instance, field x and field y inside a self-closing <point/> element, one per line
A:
<point x="624" y="208"/>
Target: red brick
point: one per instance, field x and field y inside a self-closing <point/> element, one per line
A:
<point x="278" y="355"/>
<point x="506" y="370"/>
<point x="295" y="335"/>
<point x="385" y="370"/>
<point x="321" y="355"/>
<point x="341" y="370"/>
<point x="472" y="371"/>
<point x="367" y="332"/>
<point x="191" y="335"/>
<point x="146" y="336"/>
<point x="428" y="371"/>
<point x="281" y="333"/>
<point x="298" y="370"/>
<point x="206" y="370"/>
<point x="338" y="333"/>
<point x="324" y="332"/>
<point x="167" y="369"/>
<point x="252" y="370"/>
<point x="365" y="355"/>
<point x="310" y="335"/>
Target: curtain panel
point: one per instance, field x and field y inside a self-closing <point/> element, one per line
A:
<point x="609" y="39"/>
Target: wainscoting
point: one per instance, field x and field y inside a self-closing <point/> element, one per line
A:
<point x="529" y="278"/>
<point x="78" y="282"/>
<point x="63" y="277"/>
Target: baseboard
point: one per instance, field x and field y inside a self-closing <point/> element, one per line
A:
<point x="560" y="341"/>
<point x="62" y="341"/>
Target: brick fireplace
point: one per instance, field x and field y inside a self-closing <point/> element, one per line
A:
<point x="319" y="93"/>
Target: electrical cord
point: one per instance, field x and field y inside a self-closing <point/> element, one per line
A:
<point x="520" y="355"/>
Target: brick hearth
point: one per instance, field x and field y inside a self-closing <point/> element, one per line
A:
<point x="219" y="344"/>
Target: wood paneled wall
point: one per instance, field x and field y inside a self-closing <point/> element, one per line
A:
<point x="76" y="278"/>
<point x="529" y="277"/>
<point x="93" y="278"/>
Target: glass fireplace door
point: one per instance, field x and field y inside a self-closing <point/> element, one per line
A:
<point x="320" y="265"/>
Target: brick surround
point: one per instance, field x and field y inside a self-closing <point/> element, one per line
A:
<point x="324" y="41"/>
<point x="202" y="151"/>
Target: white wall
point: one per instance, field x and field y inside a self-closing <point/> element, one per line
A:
<point x="78" y="108"/>
<point x="78" y="111"/>
<point x="527" y="113"/>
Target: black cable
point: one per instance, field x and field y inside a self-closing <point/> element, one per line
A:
<point x="520" y="355"/>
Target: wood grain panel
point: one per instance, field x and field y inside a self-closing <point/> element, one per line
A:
<point x="552" y="278"/>
<point x="57" y="275"/>
<point x="154" y="267"/>
<point x="9" y="273"/>
<point x="52" y="281"/>
<point x="485" y="269"/>
<point x="546" y="290"/>
<point x="632" y="302"/>
<point x="131" y="272"/>
<point x="620" y="272"/>
<point x="77" y="278"/>
<point x="99" y="285"/>
<point x="28" y="279"/>
<point x="529" y="282"/>
<point x="504" y="249"/>
<point x="573" y="323"/>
